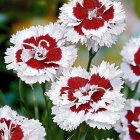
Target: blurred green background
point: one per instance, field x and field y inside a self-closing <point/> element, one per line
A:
<point x="19" y="14"/>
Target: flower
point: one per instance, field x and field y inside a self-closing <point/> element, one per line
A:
<point x="131" y="62"/>
<point x="129" y="126"/>
<point x="15" y="127"/>
<point x="95" y="23"/>
<point x="93" y="97"/>
<point x="39" y="53"/>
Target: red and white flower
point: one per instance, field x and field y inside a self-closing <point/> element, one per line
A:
<point x="131" y="62"/>
<point x="39" y="52"/>
<point x="129" y="126"/>
<point x="93" y="97"/>
<point x="95" y="23"/>
<point x="15" y="127"/>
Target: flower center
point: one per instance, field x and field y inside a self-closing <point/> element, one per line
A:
<point x="37" y="52"/>
<point x="92" y="13"/>
<point x="84" y="94"/>
<point x="40" y="53"/>
<point x="6" y="131"/>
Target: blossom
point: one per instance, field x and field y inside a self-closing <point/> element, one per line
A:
<point x="15" y="127"/>
<point x="129" y="126"/>
<point x="95" y="23"/>
<point x="39" y="53"/>
<point x="93" y="97"/>
<point x="131" y="62"/>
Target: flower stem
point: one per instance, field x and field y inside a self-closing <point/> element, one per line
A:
<point x="136" y="87"/>
<point x="24" y="107"/>
<point x="20" y="94"/>
<point x="136" y="93"/>
<point x="35" y="104"/>
<point x="91" y="56"/>
<point x="47" y="113"/>
<point x="20" y="90"/>
<point x="83" y="130"/>
<point x="43" y="86"/>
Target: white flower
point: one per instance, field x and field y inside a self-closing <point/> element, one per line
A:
<point x="95" y="23"/>
<point x="129" y="125"/>
<point x="39" y="53"/>
<point x="15" y="127"/>
<point x="131" y="62"/>
<point x="93" y="97"/>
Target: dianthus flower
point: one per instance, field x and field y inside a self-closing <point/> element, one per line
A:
<point x="95" y="23"/>
<point x="39" y="53"/>
<point x="93" y="97"/>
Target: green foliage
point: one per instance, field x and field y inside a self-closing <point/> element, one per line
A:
<point x="137" y="7"/>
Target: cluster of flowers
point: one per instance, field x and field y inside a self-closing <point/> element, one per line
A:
<point x="47" y="53"/>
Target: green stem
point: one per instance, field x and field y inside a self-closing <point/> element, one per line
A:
<point x="136" y="87"/>
<point x="91" y="56"/>
<point x="43" y="92"/>
<point x="82" y="131"/>
<point x="46" y="115"/>
<point x="136" y="95"/>
<point x="20" y="95"/>
<point x="24" y="107"/>
<point x="20" y="90"/>
<point x="35" y="105"/>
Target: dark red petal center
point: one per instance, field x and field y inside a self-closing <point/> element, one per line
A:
<point x="78" y="83"/>
<point x="92" y="15"/>
<point x="43" y="50"/>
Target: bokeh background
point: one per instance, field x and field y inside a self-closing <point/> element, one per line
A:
<point x="18" y="14"/>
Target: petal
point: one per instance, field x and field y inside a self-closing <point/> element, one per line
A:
<point x="70" y="92"/>
<point x="100" y="11"/>
<point x="35" y="64"/>
<point x="91" y="4"/>
<point x="83" y="107"/>
<point x="93" y="24"/>
<point x="18" y="55"/>
<point x="17" y="134"/>
<point x="54" y="55"/>
<point x="98" y="95"/>
<point x="78" y="29"/>
<point x="30" y="40"/>
<point x="109" y="14"/>
<point x="100" y="81"/>
<point x="133" y="116"/>
<point x="47" y="42"/>
<point x="77" y="82"/>
<point x="137" y="57"/>
<point x="80" y="12"/>
<point x="135" y="69"/>
<point x="133" y="133"/>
